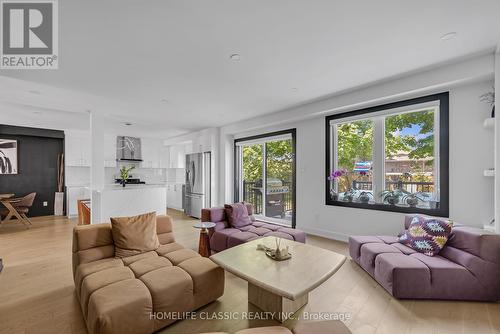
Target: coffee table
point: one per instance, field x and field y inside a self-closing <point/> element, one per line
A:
<point x="280" y="287"/>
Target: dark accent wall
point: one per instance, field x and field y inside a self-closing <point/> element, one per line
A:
<point x="37" y="165"/>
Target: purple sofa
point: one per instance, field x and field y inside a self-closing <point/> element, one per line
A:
<point x="467" y="268"/>
<point x="223" y="236"/>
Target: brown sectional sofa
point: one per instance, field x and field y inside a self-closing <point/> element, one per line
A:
<point x="130" y="295"/>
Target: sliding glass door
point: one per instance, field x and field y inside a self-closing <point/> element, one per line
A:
<point x="265" y="175"/>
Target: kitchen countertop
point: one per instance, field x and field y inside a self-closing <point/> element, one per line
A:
<point x="134" y="186"/>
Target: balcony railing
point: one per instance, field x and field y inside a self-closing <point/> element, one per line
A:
<point x="252" y="193"/>
<point x="409" y="186"/>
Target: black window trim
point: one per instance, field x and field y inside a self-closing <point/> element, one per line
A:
<point x="443" y="209"/>
<point x="293" y="133"/>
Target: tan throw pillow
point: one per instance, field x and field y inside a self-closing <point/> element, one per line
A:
<point x="134" y="235"/>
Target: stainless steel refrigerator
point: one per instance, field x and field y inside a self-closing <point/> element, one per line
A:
<point x="197" y="191"/>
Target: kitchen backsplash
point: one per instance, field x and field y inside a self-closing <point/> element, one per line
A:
<point x="176" y="175"/>
<point x="80" y="176"/>
<point x="148" y="175"/>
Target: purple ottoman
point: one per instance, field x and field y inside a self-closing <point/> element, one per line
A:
<point x="467" y="268"/>
<point x="222" y="236"/>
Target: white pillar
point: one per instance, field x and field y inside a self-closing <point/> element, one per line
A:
<point x="497" y="142"/>
<point x="96" y="164"/>
<point x="215" y="148"/>
<point x="226" y="166"/>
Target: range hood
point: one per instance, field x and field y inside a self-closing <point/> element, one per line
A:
<point x="128" y="149"/>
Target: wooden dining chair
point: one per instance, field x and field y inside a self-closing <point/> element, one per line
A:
<point x="22" y="205"/>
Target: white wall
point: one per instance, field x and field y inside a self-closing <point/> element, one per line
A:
<point x="471" y="152"/>
<point x="471" y="149"/>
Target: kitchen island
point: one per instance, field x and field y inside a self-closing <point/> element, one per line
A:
<point x="131" y="200"/>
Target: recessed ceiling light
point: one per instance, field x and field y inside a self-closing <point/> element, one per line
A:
<point x="36" y="92"/>
<point x="127" y="124"/>
<point x="448" y="36"/>
<point x="235" y="57"/>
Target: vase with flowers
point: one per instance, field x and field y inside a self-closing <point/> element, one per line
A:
<point x="334" y="177"/>
<point x="125" y="174"/>
<point x="341" y="180"/>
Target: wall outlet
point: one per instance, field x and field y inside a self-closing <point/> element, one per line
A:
<point x="45" y="203"/>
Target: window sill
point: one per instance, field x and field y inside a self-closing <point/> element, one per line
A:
<point x="438" y="212"/>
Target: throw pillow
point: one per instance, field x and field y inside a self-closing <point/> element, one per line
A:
<point x="427" y="235"/>
<point x="134" y="235"/>
<point x="237" y="215"/>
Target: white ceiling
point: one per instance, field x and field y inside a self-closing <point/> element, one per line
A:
<point x="122" y="57"/>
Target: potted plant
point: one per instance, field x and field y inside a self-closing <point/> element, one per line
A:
<point x="349" y="195"/>
<point x="410" y="199"/>
<point x="391" y="196"/>
<point x="364" y="197"/>
<point x="125" y="174"/>
<point x="335" y="175"/>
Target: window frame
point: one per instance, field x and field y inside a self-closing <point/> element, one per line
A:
<point x="442" y="174"/>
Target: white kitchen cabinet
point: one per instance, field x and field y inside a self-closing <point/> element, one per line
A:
<point x="109" y="151"/>
<point x="147" y="151"/>
<point x="174" y="196"/>
<point x="77" y="149"/>
<point x="177" y="156"/>
<point x="172" y="157"/>
<point x="73" y="194"/>
<point x="152" y="153"/>
<point x="170" y="195"/>
<point x="164" y="156"/>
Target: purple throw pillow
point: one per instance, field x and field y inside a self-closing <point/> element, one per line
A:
<point x="237" y="215"/>
<point x="427" y="235"/>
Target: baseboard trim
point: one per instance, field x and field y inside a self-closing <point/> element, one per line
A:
<point x="325" y="234"/>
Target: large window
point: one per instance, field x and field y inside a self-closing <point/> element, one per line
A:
<point x="265" y="175"/>
<point x="392" y="157"/>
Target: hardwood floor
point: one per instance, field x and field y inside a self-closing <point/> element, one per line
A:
<point x="37" y="291"/>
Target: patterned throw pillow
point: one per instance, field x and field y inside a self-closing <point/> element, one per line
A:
<point x="427" y="235"/>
